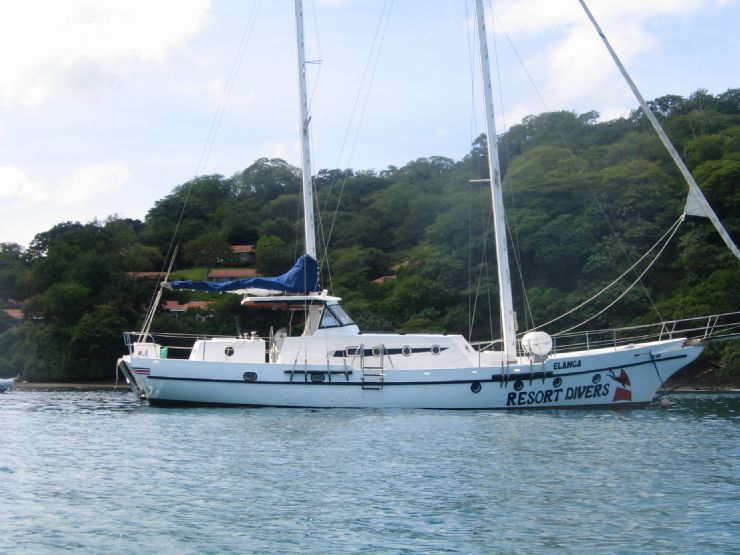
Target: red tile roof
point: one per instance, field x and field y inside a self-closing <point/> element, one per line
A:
<point x="242" y="248"/>
<point x="174" y="306"/>
<point x="16" y="313"/>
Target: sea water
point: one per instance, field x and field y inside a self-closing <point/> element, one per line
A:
<point x="100" y="472"/>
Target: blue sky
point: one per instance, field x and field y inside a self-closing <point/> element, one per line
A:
<point x="105" y="106"/>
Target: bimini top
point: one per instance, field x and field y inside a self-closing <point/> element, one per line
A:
<point x="303" y="277"/>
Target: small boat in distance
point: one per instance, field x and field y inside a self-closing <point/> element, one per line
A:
<point x="333" y="364"/>
<point x="6" y="384"/>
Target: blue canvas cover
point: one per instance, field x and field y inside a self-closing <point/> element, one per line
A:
<point x="303" y="277"/>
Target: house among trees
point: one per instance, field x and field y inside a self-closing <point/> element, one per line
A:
<point x="244" y="253"/>
<point x="392" y="273"/>
<point x="174" y="307"/>
<point x="15" y="313"/>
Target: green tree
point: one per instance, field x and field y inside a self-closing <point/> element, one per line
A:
<point x="273" y="256"/>
<point x="208" y="249"/>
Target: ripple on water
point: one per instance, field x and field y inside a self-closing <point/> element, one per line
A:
<point x="98" y="471"/>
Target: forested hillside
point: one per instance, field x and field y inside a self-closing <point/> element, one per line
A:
<point x="585" y="200"/>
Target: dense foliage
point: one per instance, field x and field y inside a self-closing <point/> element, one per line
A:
<point x="585" y="200"/>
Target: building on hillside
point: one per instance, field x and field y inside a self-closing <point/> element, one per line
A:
<point x="244" y="253"/>
<point x="174" y="307"/>
<point x="15" y="313"/>
<point x="391" y="273"/>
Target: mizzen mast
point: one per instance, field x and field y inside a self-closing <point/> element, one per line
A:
<point x="508" y="318"/>
<point x="308" y="214"/>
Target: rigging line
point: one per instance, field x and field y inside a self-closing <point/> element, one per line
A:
<point x="511" y="223"/>
<point x="695" y="193"/>
<point x="384" y="24"/>
<point x="471" y="315"/>
<point x="572" y="154"/>
<point x="154" y="303"/>
<point x="479" y="171"/>
<point x="671" y="230"/>
<point x="228" y="88"/>
<point x="471" y="139"/>
<point x="633" y="283"/>
<point x="215" y="123"/>
<point x="326" y="238"/>
<point x="521" y="61"/>
<point x="471" y="68"/>
<point x="317" y="62"/>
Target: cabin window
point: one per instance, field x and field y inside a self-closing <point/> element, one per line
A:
<point x="342" y="316"/>
<point x="334" y="317"/>
<point x="328" y="319"/>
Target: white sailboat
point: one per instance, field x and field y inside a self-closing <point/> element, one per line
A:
<point x="333" y="364"/>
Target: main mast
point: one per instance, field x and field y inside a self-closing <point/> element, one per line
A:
<point x="308" y="216"/>
<point x="508" y="318"/>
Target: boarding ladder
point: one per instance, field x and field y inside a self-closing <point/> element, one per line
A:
<point x="373" y="373"/>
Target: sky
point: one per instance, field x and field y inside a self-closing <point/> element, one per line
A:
<point x="107" y="105"/>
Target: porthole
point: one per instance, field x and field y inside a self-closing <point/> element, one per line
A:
<point x="406" y="351"/>
<point x="475" y="387"/>
<point x="228" y="351"/>
<point x="557" y="382"/>
<point x="518" y="385"/>
<point x="596" y="378"/>
<point x="376" y="351"/>
<point x="436" y="349"/>
<point x="317" y="377"/>
<point x="250" y="376"/>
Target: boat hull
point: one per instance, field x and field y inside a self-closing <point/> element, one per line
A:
<point x="606" y="378"/>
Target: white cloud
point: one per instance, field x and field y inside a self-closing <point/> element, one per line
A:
<point x="572" y="64"/>
<point x="29" y="205"/>
<point x="17" y="189"/>
<point x="92" y="181"/>
<point x="43" y="43"/>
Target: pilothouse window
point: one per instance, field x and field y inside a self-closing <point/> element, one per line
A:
<point x="334" y="317"/>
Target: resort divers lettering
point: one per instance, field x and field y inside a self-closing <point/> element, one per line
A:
<point x="544" y="396"/>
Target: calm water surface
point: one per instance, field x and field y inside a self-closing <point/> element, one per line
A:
<point x="99" y="472"/>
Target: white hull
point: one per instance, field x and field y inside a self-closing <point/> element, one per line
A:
<point x="625" y="376"/>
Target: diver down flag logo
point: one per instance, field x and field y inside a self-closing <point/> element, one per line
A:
<point x="621" y="393"/>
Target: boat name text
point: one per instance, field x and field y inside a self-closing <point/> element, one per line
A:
<point x="544" y="396"/>
<point x="567" y="364"/>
